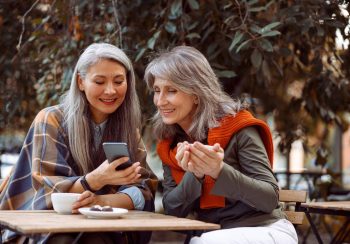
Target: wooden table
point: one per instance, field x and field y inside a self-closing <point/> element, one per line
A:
<point x="46" y="221"/>
<point x="339" y="208"/>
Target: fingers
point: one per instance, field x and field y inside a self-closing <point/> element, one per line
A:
<point x="129" y="175"/>
<point x="85" y="199"/>
<point x="204" y="150"/>
<point x="119" y="161"/>
<point x="197" y="173"/>
<point x="185" y="159"/>
<point x="198" y="164"/>
<point x="205" y="159"/>
<point x="199" y="152"/>
<point x="181" y="148"/>
<point x="217" y="147"/>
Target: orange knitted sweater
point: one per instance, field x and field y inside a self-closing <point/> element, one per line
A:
<point x="229" y="125"/>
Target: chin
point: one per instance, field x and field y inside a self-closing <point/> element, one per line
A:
<point x="168" y="122"/>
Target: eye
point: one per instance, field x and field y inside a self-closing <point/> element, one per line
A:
<point x="172" y="90"/>
<point x="118" y="82"/>
<point x="156" y="89"/>
<point x="98" y="82"/>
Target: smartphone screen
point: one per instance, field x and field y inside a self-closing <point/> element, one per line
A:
<point x="115" y="150"/>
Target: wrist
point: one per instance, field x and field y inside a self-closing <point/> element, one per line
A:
<point x="94" y="184"/>
<point x="199" y="176"/>
<point x="217" y="172"/>
<point x="85" y="184"/>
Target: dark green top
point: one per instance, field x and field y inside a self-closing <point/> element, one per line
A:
<point x="246" y="181"/>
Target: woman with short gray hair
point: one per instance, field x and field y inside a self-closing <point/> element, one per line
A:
<point x="216" y="156"/>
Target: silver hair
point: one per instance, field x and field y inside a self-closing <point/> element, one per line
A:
<point x="190" y="72"/>
<point x="124" y="122"/>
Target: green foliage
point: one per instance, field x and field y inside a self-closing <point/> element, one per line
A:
<point x="260" y="49"/>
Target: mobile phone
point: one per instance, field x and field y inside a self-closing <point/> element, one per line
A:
<point x="115" y="150"/>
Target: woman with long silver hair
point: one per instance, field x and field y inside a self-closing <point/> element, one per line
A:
<point x="217" y="157"/>
<point x="63" y="148"/>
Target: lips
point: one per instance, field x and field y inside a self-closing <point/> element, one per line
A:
<point x="166" y="112"/>
<point x="108" y="101"/>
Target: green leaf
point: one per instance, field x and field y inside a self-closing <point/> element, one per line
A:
<point x="269" y="27"/>
<point x="31" y="38"/>
<point x="192" y="26"/>
<point x="211" y="48"/>
<point x="236" y="40"/>
<point x="271" y="33"/>
<point x="109" y="27"/>
<point x="140" y="54"/>
<point x="170" y="27"/>
<point x="256" y="58"/>
<point x="255" y="28"/>
<point x="152" y="41"/>
<point x="257" y="9"/>
<point x="252" y="2"/>
<point x="243" y="45"/>
<point x="208" y="32"/>
<point x="269" y="4"/>
<point x="193" y="35"/>
<point x="228" y="5"/>
<point x="176" y="9"/>
<point x="194" y="5"/>
<point x="225" y="73"/>
<point x="266" y="45"/>
<point x="44" y="20"/>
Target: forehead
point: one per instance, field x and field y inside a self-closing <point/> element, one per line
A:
<point x="106" y="67"/>
<point x="158" y="81"/>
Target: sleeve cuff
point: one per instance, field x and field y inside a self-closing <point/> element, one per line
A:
<point x="136" y="196"/>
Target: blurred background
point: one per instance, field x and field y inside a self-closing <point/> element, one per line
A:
<point x="289" y="59"/>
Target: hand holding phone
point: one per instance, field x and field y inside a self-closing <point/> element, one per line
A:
<point x="115" y="150"/>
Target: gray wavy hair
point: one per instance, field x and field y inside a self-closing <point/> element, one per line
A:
<point x="122" y="125"/>
<point x="190" y="72"/>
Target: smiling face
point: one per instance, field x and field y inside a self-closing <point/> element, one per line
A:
<point x="105" y="87"/>
<point x="174" y="105"/>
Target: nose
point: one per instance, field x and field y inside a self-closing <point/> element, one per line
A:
<point x="110" y="89"/>
<point x="160" y="99"/>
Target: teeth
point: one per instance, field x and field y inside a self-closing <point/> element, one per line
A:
<point x="167" y="111"/>
<point x="108" y="100"/>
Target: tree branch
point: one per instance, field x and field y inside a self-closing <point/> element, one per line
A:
<point x="115" y="3"/>
<point x="23" y="25"/>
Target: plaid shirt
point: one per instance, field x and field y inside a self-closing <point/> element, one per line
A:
<point x="45" y="165"/>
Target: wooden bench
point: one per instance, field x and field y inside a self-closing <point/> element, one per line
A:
<point x="292" y="200"/>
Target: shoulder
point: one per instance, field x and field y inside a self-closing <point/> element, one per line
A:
<point x="249" y="135"/>
<point x="50" y="115"/>
<point x="249" y="132"/>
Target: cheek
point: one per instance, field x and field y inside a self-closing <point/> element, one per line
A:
<point x="121" y="90"/>
<point x="155" y="99"/>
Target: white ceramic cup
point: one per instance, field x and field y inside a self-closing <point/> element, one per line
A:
<point x="62" y="202"/>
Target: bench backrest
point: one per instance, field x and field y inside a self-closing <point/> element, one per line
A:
<point x="292" y="200"/>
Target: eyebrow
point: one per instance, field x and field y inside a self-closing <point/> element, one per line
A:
<point x="103" y="76"/>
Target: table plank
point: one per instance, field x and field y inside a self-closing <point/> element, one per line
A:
<point x="336" y="205"/>
<point x="338" y="208"/>
<point x="34" y="222"/>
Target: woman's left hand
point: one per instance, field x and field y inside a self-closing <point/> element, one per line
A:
<point x="207" y="159"/>
<point x="86" y="199"/>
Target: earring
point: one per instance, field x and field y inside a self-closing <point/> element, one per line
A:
<point x="196" y="100"/>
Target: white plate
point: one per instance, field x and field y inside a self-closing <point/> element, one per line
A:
<point x="117" y="212"/>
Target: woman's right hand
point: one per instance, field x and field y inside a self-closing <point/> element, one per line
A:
<point x="105" y="174"/>
<point x="182" y="155"/>
<point x="183" y="159"/>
